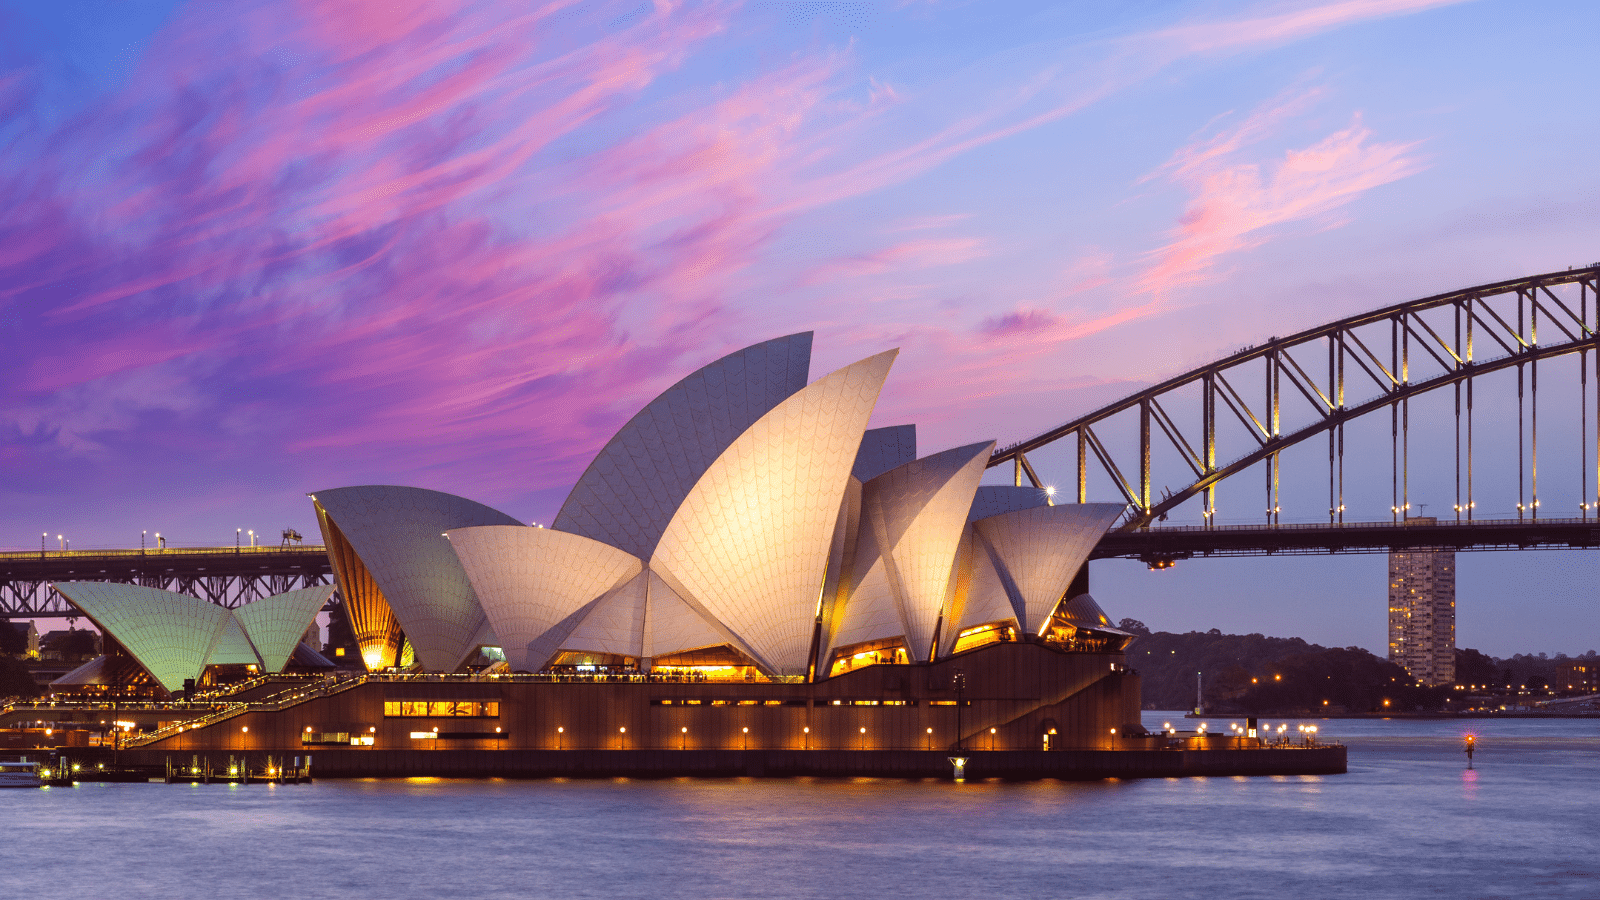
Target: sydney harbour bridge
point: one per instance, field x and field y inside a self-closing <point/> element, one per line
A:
<point x="1437" y="397"/>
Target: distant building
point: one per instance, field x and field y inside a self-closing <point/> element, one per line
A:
<point x="74" y="646"/>
<point x="1581" y="676"/>
<point x="1422" y="612"/>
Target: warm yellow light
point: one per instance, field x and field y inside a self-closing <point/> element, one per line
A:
<point x="863" y="731"/>
<point x="747" y="731"/>
<point x="807" y="729"/>
<point x="991" y="731"/>
<point x="245" y="729"/>
<point x="308" y="728"/>
<point x="930" y="731"/>
<point x="625" y="731"/>
<point x="560" y="730"/>
<point x="374" y="729"/>
<point x="1113" y="731"/>
<point x="684" y="729"/>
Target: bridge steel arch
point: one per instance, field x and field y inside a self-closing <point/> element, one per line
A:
<point x="1433" y="344"/>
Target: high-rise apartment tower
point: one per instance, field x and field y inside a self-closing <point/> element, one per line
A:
<point x="1422" y="612"/>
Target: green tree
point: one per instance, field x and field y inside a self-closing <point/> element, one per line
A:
<point x="15" y="679"/>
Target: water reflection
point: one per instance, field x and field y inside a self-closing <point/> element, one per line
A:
<point x="1408" y="820"/>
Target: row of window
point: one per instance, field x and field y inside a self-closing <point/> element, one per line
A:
<point x="421" y="708"/>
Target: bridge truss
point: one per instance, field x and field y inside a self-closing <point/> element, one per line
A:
<point x="1292" y="390"/>
<point x="228" y="576"/>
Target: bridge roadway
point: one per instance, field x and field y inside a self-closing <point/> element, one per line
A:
<point x="1159" y="546"/>
<point x="229" y="576"/>
<point x="234" y="575"/>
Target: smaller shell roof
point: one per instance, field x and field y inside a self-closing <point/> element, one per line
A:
<point x="996" y="499"/>
<point x="398" y="533"/>
<point x="171" y="635"/>
<point x="1083" y="612"/>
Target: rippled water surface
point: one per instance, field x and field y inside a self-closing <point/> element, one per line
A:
<point x="1407" y="821"/>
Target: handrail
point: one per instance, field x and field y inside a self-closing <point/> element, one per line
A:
<point x="259" y="550"/>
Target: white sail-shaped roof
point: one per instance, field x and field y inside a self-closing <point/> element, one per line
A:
<point x="275" y="624"/>
<point x="232" y="648"/>
<point x="1038" y="551"/>
<point x="171" y="635"/>
<point x="1083" y="612"/>
<point x="398" y="533"/>
<point x="673" y="626"/>
<point x="614" y="623"/>
<point x="912" y="517"/>
<point x="994" y="499"/>
<point x="532" y="580"/>
<point x="749" y="544"/>
<point x="884" y="448"/>
<point x="643" y="474"/>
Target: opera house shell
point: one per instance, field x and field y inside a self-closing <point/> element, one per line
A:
<point x="747" y="521"/>
<point x="175" y="638"/>
<point x="746" y="574"/>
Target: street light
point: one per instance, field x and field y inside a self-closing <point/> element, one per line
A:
<point x="961" y="687"/>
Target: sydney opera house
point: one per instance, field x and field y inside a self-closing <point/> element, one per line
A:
<point x="744" y="565"/>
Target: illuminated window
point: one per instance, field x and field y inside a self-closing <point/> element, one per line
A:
<point x="453" y="708"/>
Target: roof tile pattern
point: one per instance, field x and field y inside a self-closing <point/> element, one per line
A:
<point x="531" y="580"/>
<point x="884" y="448"/>
<point x="912" y="519"/>
<point x="233" y="648"/>
<point x="614" y="623"/>
<point x="275" y="624"/>
<point x="994" y="499"/>
<point x="1038" y="551"/>
<point x="640" y="478"/>
<point x="398" y="532"/>
<point x="170" y="634"/>
<point x="673" y="626"/>
<point x="750" y="542"/>
<point x="986" y="598"/>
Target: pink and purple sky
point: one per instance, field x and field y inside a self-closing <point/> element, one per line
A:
<point x="251" y="250"/>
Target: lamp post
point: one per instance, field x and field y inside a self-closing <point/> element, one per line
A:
<point x="863" y="738"/>
<point x="560" y="732"/>
<point x="683" y="738"/>
<point x="961" y="687"/>
<point x="236" y="538"/>
<point x="744" y="737"/>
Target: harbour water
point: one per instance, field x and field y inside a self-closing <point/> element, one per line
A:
<point x="1409" y="820"/>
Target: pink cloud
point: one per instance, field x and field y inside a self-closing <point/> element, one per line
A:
<point x="1294" y="22"/>
<point x="1234" y="205"/>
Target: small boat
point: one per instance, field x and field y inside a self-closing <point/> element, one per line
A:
<point x="20" y="774"/>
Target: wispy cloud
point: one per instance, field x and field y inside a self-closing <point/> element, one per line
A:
<point x="1235" y="203"/>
